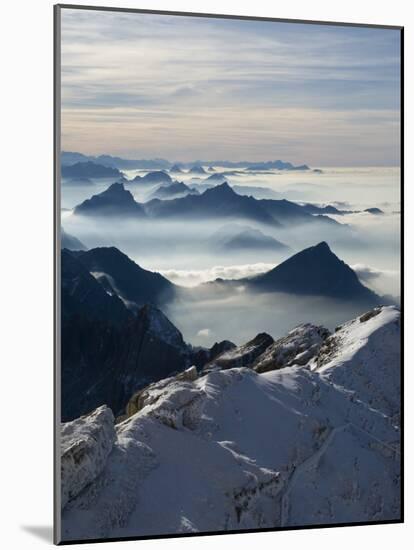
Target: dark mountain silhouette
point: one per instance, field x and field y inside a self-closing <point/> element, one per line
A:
<point x="133" y="284"/>
<point x="70" y="242"/>
<point x="375" y="211"/>
<point x="68" y="158"/>
<point x="89" y="169"/>
<point x="315" y="271"/>
<point x="256" y="192"/>
<point x="114" y="201"/>
<point x="278" y="164"/>
<point x="153" y="178"/>
<point x="174" y="190"/>
<point x="104" y="363"/>
<point x="83" y="296"/>
<point x="220" y="202"/>
<point x="131" y="164"/>
<point x="202" y="356"/>
<point x="241" y="356"/>
<point x="288" y="212"/>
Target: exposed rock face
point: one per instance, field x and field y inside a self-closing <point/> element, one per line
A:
<point x="151" y="393"/>
<point x="297" y="348"/>
<point x="242" y="356"/>
<point x="235" y="449"/>
<point x="86" y="443"/>
<point x="201" y="356"/>
<point x="130" y="282"/>
<point x="103" y="363"/>
<point x="84" y="297"/>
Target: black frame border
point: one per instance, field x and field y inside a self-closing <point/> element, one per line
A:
<point x="56" y="272"/>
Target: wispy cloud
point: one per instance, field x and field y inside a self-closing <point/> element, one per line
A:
<point x="182" y="87"/>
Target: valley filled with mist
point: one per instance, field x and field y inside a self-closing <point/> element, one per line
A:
<point x="355" y="210"/>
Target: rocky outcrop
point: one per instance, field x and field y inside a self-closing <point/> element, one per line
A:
<point x="202" y="356"/>
<point x="297" y="348"/>
<point x="85" y="445"/>
<point x="150" y="394"/>
<point x="241" y="356"/>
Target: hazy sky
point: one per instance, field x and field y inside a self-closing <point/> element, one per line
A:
<point x="186" y="88"/>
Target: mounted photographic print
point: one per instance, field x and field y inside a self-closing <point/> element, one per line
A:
<point x="228" y="274"/>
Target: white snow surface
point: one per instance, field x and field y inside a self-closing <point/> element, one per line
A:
<point x="235" y="449"/>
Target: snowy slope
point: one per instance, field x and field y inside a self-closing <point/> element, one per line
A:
<point x="237" y="449"/>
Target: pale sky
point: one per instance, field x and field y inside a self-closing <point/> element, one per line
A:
<point x="186" y="88"/>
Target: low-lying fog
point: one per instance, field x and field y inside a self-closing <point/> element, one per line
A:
<point x="187" y="252"/>
<point x="239" y="315"/>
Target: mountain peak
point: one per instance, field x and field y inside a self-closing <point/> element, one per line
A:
<point x="114" y="200"/>
<point x="117" y="187"/>
<point x="135" y="285"/>
<point x="222" y="190"/>
<point x="316" y="271"/>
<point x="321" y="247"/>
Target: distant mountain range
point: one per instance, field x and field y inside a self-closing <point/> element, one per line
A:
<point x="89" y="169"/>
<point x="276" y="164"/>
<point x="218" y="202"/>
<point x="68" y="158"/>
<point x="315" y="271"/>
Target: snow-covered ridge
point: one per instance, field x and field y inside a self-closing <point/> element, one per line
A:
<point x="311" y="443"/>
